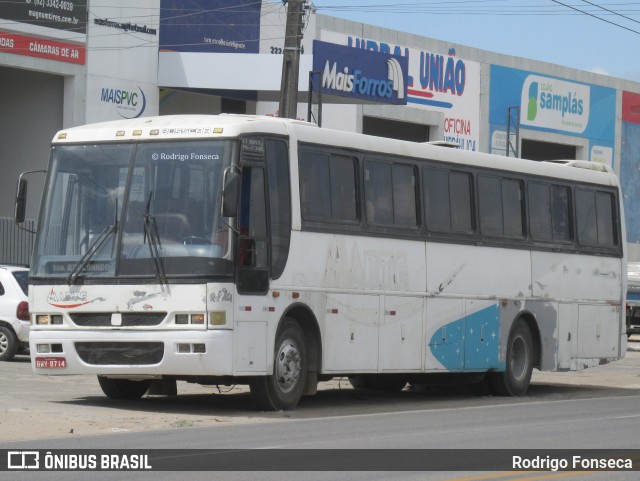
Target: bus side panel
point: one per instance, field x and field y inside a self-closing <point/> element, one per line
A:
<point x="363" y="329"/>
<point x="598" y="332"/>
<point x="553" y="324"/>
<point x="351" y="342"/>
<point x="468" y="336"/>
<point x="567" y="337"/>
<point x="466" y="329"/>
<point x="590" y="329"/>
<point x="340" y="263"/>
<point x="444" y="333"/>
<point x="468" y="271"/>
<point x="574" y="276"/>
<point x="401" y="325"/>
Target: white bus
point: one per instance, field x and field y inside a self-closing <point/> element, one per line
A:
<point x="270" y="252"/>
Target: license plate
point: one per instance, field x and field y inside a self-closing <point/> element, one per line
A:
<point x="51" y="363"/>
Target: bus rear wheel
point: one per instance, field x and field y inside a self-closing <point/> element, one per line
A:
<point x="514" y="381"/>
<point x="123" y="389"/>
<point x="283" y="389"/>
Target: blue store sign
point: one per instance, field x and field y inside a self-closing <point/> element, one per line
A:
<point x="360" y="74"/>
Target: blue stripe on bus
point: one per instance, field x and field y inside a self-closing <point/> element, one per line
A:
<point x="471" y="343"/>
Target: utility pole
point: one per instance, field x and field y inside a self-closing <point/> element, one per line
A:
<point x="291" y="59"/>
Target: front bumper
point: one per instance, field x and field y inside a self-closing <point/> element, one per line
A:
<point x="216" y="360"/>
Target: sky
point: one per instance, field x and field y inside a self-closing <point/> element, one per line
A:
<point x="597" y="36"/>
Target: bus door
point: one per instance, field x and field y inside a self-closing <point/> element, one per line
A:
<point x="252" y="246"/>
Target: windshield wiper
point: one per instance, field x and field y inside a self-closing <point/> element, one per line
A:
<point x="91" y="251"/>
<point x="94" y="247"/>
<point x="151" y="232"/>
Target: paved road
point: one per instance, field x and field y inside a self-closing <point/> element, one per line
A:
<point x="597" y="408"/>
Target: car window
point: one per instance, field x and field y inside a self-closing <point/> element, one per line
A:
<point x="1" y="289"/>
<point x="23" y="280"/>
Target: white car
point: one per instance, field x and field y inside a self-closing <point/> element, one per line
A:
<point x="14" y="311"/>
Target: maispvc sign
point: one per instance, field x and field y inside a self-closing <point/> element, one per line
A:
<point x="360" y="75"/>
<point x="129" y="104"/>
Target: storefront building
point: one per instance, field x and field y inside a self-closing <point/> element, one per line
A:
<point x="79" y="63"/>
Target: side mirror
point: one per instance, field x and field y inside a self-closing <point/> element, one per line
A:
<point x="230" y="193"/>
<point x="21" y="201"/>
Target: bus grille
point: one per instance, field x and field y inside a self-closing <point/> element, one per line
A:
<point x="129" y="319"/>
<point x="120" y="353"/>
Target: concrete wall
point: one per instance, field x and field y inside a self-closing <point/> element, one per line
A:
<point x="32" y="112"/>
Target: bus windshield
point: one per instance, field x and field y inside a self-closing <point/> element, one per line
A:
<point x="135" y="210"/>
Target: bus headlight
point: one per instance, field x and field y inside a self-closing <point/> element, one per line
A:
<point x="218" y="318"/>
<point x="195" y="319"/>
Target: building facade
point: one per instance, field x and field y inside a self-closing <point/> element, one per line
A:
<point x="79" y="63"/>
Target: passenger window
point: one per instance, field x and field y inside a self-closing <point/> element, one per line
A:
<point x="437" y="199"/>
<point x="540" y="212"/>
<point x="605" y="215"/>
<point x="500" y="202"/>
<point x="490" y="203"/>
<point x="512" y="207"/>
<point x="404" y="195"/>
<point x="549" y="218"/>
<point x="314" y="185"/>
<point x="586" y="217"/>
<point x="461" y="208"/>
<point x="447" y="201"/>
<point x="343" y="188"/>
<point x="390" y="194"/>
<point x="378" y="193"/>
<point x="328" y="187"/>
<point x="560" y="213"/>
<point x="595" y="214"/>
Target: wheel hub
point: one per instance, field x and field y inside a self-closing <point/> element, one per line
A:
<point x="519" y="358"/>
<point x="288" y="366"/>
<point x="4" y="343"/>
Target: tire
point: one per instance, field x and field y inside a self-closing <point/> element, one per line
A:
<point x="514" y="381"/>
<point x="360" y="382"/>
<point x="283" y="389"/>
<point x="378" y="382"/>
<point x="123" y="389"/>
<point x="8" y="344"/>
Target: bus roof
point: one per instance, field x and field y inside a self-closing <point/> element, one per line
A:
<point x="182" y="127"/>
<point x="173" y="127"/>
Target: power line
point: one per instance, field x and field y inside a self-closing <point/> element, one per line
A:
<point x="596" y="17"/>
<point x="611" y="11"/>
<point x="465" y="7"/>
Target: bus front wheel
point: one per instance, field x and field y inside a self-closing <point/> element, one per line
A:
<point x="283" y="389"/>
<point x="123" y="389"/>
<point x="514" y="381"/>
